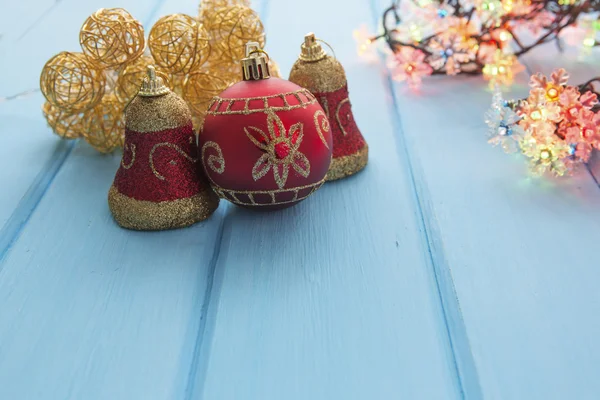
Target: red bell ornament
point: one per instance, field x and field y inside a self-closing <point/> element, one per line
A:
<point x="325" y="77"/>
<point x="266" y="142"/>
<point x="158" y="185"/>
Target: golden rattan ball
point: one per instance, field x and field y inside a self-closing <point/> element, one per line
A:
<point x="179" y="43"/>
<point x="72" y="82"/>
<point x="130" y="78"/>
<point x="200" y="88"/>
<point x="232" y="27"/>
<point x="208" y="7"/>
<point x="225" y="69"/>
<point x="274" y="69"/>
<point x="105" y="125"/>
<point x="112" y="37"/>
<point x="65" y="125"/>
<point x="176" y="83"/>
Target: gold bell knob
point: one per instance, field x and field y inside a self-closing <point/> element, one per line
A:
<point x="152" y="85"/>
<point x="311" y="49"/>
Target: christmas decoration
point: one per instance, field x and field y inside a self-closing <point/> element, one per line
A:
<point x="72" y="82"/>
<point x="556" y="127"/>
<point x="104" y="127"/>
<point x="196" y="57"/>
<point x="324" y="76"/>
<point x="451" y="37"/>
<point x="179" y="43"/>
<point x="231" y="27"/>
<point x="64" y="124"/>
<point x="266" y="142"/>
<point x="157" y="185"/>
<point x="112" y="37"/>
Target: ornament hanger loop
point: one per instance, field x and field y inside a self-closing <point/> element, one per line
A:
<point x="261" y="51"/>
<point x="328" y="45"/>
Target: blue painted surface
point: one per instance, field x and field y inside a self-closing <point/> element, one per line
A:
<point x="440" y="272"/>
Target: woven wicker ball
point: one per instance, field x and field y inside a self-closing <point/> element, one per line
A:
<point x="274" y="69"/>
<point x="200" y="88"/>
<point x="65" y="125"/>
<point x="179" y="43"/>
<point x="208" y="7"/>
<point x="105" y="125"/>
<point x="112" y="37"/>
<point x="231" y="28"/>
<point x="130" y="78"/>
<point x="72" y="82"/>
<point x="176" y="83"/>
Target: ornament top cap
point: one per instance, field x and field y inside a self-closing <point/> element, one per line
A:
<point x="255" y="66"/>
<point x="311" y="49"/>
<point x="152" y="85"/>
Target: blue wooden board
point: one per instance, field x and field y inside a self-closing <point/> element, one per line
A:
<point x="442" y="271"/>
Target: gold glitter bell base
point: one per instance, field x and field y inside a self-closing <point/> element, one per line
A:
<point x="152" y="216"/>
<point x="344" y="166"/>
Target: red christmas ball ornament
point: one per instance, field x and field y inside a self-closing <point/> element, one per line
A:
<point x="266" y="142"/>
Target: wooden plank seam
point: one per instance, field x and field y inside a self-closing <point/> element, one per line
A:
<point x="12" y="229"/>
<point x="39" y="19"/>
<point x="463" y="363"/>
<point x="198" y="367"/>
<point x="194" y="388"/>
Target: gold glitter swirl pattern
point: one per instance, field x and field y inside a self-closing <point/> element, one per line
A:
<point x="325" y="105"/>
<point x="212" y="159"/>
<point x="172" y="146"/>
<point x="127" y="147"/>
<point x="221" y="106"/>
<point x="322" y="126"/>
<point x="337" y="115"/>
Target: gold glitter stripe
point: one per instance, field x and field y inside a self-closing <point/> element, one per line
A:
<point x="150" y="216"/>
<point x="232" y="195"/>
<point x="310" y="99"/>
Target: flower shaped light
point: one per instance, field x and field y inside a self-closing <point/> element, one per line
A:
<point x="559" y="125"/>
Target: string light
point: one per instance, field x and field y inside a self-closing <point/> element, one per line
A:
<point x="557" y="126"/>
<point x="462" y="36"/>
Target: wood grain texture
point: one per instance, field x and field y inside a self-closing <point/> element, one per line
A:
<point x="30" y="154"/>
<point x="441" y="271"/>
<point x="89" y="310"/>
<point x="333" y="298"/>
<point x="519" y="250"/>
